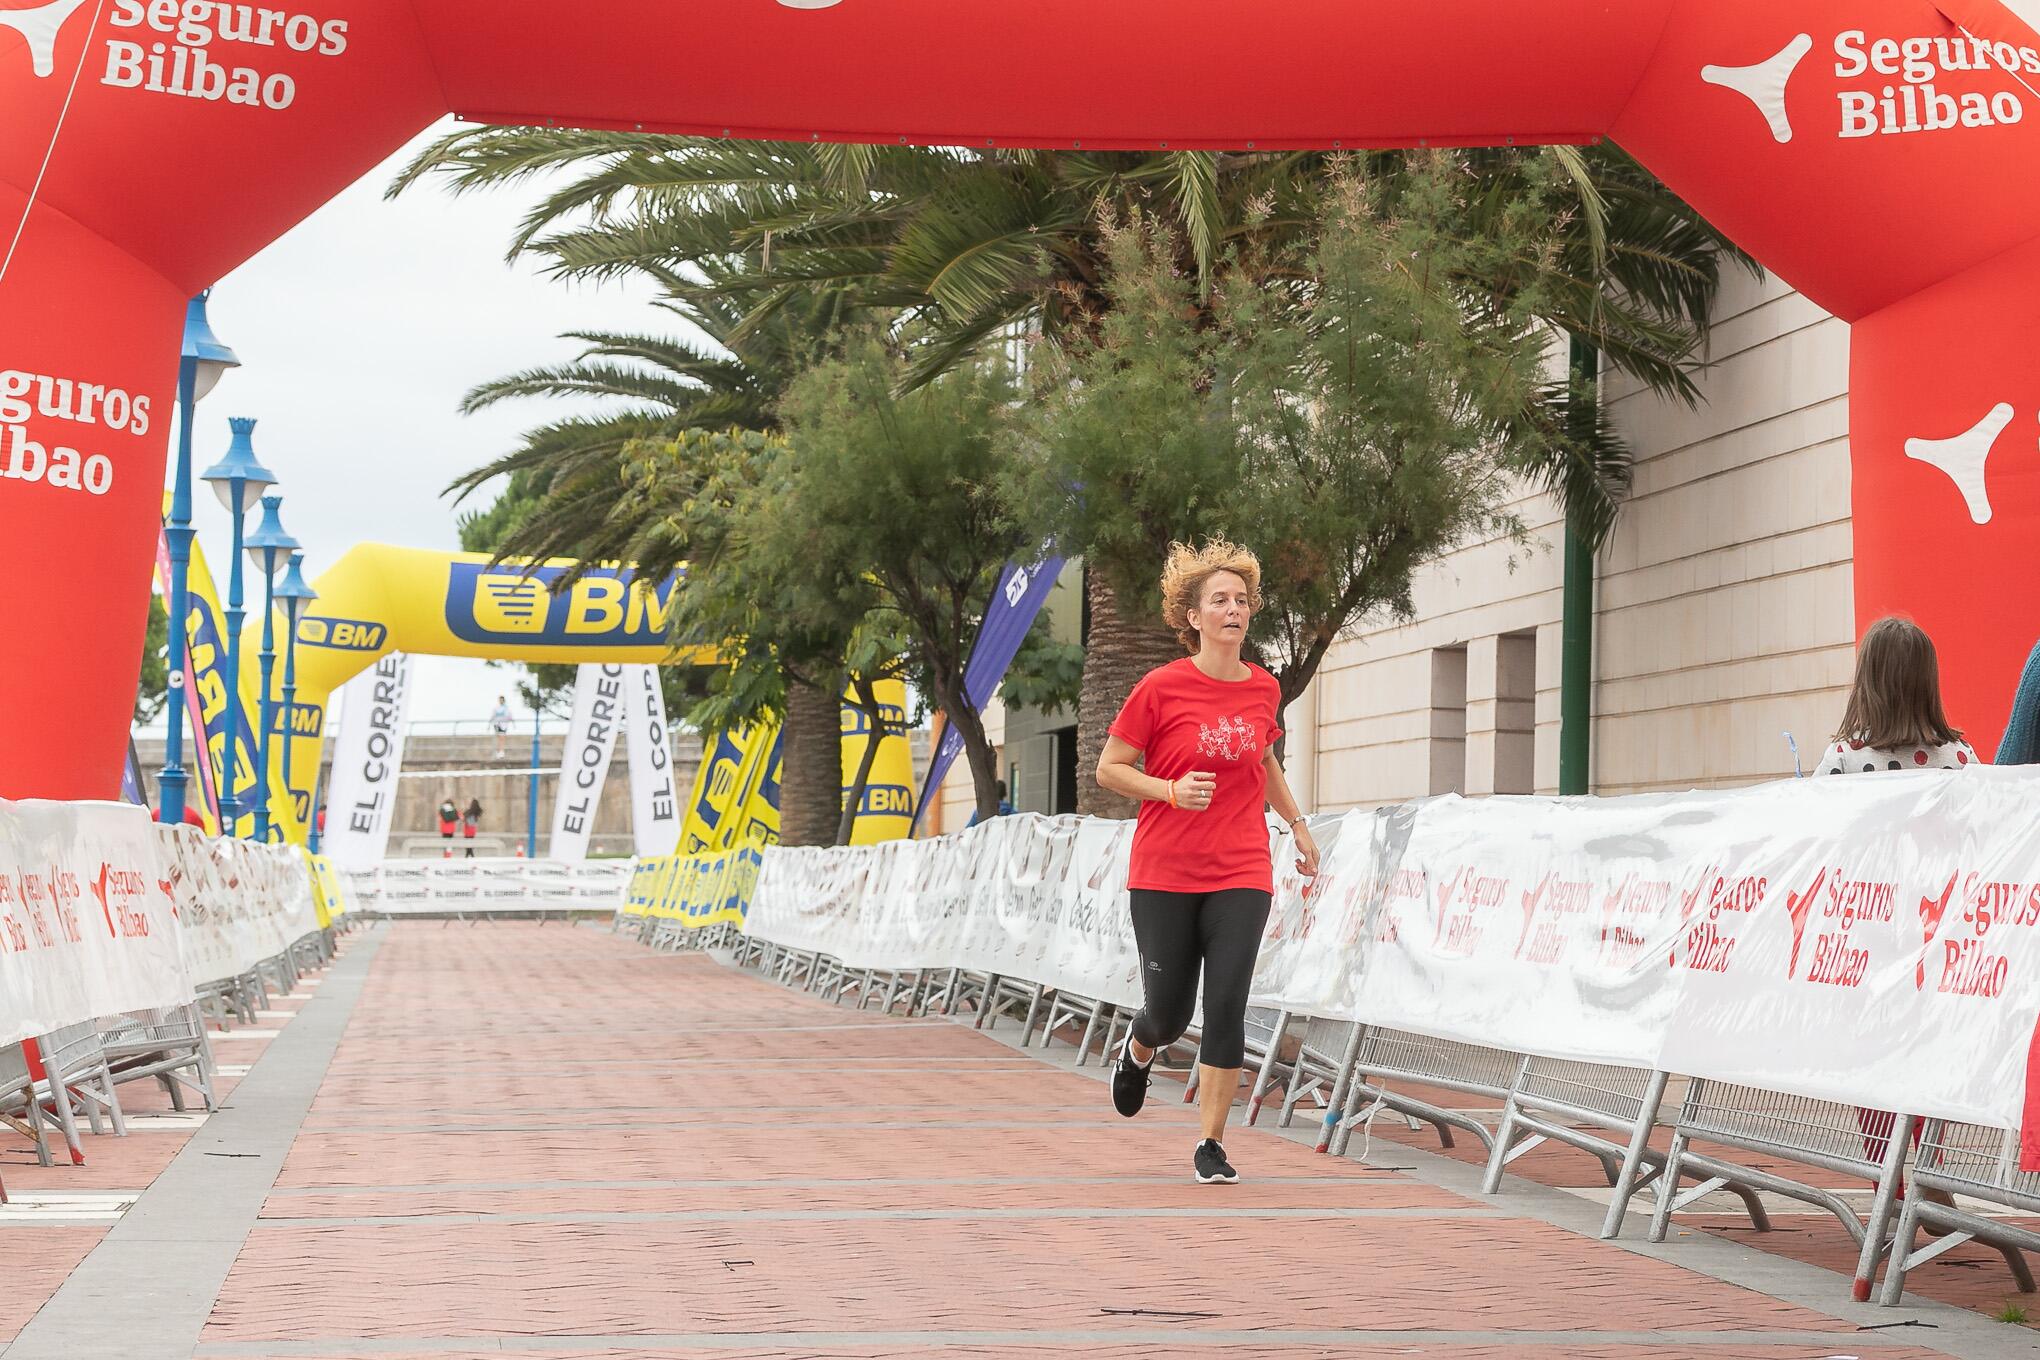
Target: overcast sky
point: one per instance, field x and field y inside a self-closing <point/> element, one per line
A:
<point x="358" y="333"/>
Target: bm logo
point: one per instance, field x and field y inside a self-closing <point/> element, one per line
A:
<point x="606" y="608"/>
<point x="346" y="635"/>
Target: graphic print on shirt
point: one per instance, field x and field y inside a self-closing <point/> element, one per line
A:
<point x="1233" y="738"/>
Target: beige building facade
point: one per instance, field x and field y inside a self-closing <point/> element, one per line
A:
<point x="1723" y="613"/>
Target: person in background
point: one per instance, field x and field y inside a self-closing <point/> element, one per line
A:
<point x="469" y="821"/>
<point x="1005" y="807"/>
<point x="449" y="818"/>
<point x="499" y="722"/>
<point x="2021" y="744"/>
<point x="1893" y="720"/>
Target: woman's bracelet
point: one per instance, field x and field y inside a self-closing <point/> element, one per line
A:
<point x="1299" y="817"/>
<point x="1172" y="794"/>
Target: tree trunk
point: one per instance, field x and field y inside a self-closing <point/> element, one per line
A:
<point x="811" y="773"/>
<point x="853" y="801"/>
<point x="1121" y="648"/>
<point x="874" y="733"/>
<point x="978" y="754"/>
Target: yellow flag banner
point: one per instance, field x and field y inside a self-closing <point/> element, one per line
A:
<point x="329" y="899"/>
<point x="207" y="628"/>
<point x="733" y="814"/>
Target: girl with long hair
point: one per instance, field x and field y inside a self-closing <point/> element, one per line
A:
<point x="1894" y="720"/>
<point x="1195" y="743"/>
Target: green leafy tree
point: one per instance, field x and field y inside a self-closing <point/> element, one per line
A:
<point x="978" y="246"/>
<point x="900" y="489"/>
<point x="794" y="630"/>
<point x="153" y="691"/>
<point x="1345" y="405"/>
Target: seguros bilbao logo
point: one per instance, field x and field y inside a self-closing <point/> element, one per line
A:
<point x="512" y="604"/>
<point x="217" y="51"/>
<point x="1891" y="86"/>
<point x="1959" y="949"/>
<point x="39" y="456"/>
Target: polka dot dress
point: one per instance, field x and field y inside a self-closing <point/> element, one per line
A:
<point x="1853" y="757"/>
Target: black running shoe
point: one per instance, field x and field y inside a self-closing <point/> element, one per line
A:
<point x="1212" y="1167"/>
<point x="1129" y="1080"/>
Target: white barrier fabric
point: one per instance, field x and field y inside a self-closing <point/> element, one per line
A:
<point x="1867" y="939"/>
<point x="366" y="757"/>
<point x="487" y="884"/>
<point x="237" y="902"/>
<point x="654" y="803"/>
<point x="86" y="927"/>
<point x="584" y="762"/>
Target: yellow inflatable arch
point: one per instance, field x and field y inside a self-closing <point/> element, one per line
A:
<point x="379" y="599"/>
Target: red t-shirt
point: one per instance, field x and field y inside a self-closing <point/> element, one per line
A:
<point x="1184" y="721"/>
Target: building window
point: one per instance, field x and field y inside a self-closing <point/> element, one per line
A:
<point x="1516" y="713"/>
<point x="1447" y="745"/>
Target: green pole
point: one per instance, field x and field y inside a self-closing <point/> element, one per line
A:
<point x="1576" y="632"/>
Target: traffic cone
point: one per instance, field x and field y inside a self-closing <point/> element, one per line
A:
<point x="447" y="853"/>
<point x="520" y="849"/>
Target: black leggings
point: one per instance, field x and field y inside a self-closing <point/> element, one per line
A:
<point x="1177" y="932"/>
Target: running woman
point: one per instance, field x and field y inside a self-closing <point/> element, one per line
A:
<point x="1201" y="881"/>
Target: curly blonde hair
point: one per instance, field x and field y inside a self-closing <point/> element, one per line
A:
<point x="1186" y="571"/>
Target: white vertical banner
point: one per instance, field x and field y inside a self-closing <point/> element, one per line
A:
<point x="366" y="758"/>
<point x="654" y="806"/>
<point x="584" y="764"/>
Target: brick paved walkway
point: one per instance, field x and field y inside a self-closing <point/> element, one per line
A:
<point x="548" y="1142"/>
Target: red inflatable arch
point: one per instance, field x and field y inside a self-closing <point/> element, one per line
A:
<point x="1878" y="154"/>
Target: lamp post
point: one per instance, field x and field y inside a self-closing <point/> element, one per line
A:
<point x="531" y="810"/>
<point x="240" y="481"/>
<point x="297" y="597"/>
<point x="269" y="547"/>
<point x="200" y="363"/>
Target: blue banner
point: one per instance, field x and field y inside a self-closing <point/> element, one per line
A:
<point x="131" y="787"/>
<point x="1022" y="591"/>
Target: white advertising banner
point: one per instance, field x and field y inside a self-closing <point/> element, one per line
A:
<point x="1871" y="939"/>
<point x="236" y="902"/>
<point x="366" y="758"/>
<point x="584" y="764"/>
<point x="86" y="921"/>
<point x="654" y="804"/>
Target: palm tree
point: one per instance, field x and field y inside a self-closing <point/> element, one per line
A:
<point x="567" y="493"/>
<point x="974" y="244"/>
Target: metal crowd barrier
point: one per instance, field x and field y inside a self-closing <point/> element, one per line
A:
<point x="460" y="889"/>
<point x="1799" y="1129"/>
<point x="1976" y="1163"/>
<point x="168" y="1044"/>
<point x="1607" y="1111"/>
<point x="84" y="1064"/>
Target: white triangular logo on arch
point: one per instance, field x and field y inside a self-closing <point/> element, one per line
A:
<point x="1763" y="84"/>
<point x="1963" y="456"/>
<point x="40" y="28"/>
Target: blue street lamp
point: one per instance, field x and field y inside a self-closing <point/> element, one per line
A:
<point x="199" y="366"/>
<point x="296" y="597"/>
<point x="269" y="547"/>
<point x="240" y="481"/>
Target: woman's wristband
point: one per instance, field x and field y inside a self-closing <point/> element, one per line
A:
<point x="1299" y="817"/>
<point x="1172" y="794"/>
